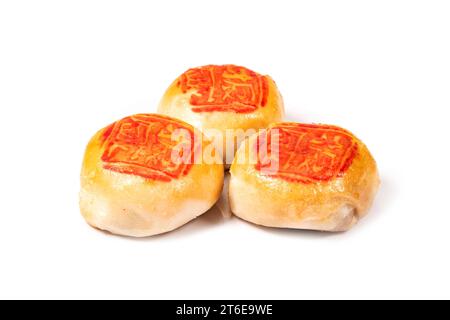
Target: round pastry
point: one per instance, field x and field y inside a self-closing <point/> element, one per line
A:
<point x="224" y="101"/>
<point x="141" y="176"/>
<point x="303" y="176"/>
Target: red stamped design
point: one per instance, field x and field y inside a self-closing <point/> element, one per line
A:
<point x="142" y="145"/>
<point x="307" y="153"/>
<point x="225" y="88"/>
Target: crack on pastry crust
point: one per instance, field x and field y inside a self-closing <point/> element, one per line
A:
<point x="347" y="216"/>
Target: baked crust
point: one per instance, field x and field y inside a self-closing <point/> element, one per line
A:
<point x="136" y="205"/>
<point x="177" y="102"/>
<point x="328" y="202"/>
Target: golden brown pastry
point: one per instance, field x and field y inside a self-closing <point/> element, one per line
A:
<point x="217" y="98"/>
<point x="303" y="176"/>
<point x="141" y="176"/>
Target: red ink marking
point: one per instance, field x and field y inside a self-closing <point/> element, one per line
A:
<point x="107" y="132"/>
<point x="142" y="145"/>
<point x="225" y="88"/>
<point x="307" y="153"/>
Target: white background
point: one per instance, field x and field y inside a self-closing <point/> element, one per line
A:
<point x="378" y="68"/>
